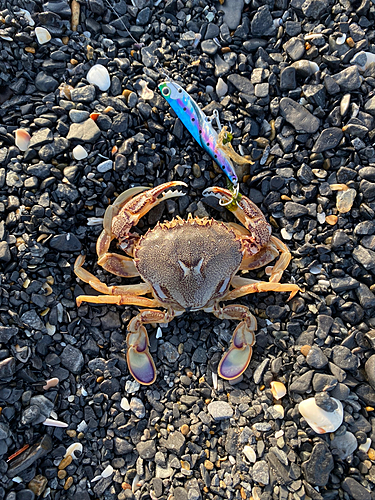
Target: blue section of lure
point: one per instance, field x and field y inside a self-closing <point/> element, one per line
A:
<point x="199" y="125"/>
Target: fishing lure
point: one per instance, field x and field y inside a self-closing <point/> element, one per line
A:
<point x="200" y="127"/>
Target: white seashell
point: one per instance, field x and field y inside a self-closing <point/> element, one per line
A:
<point x="54" y="423"/>
<point x="43" y="36"/>
<point x="316" y="269"/>
<point x="107" y="471"/>
<point x="159" y="333"/>
<point x="365" y="446"/>
<point x="96" y="478"/>
<point x="135" y="483"/>
<point x="79" y="152"/>
<point x="51" y="329"/>
<point x="125" y="404"/>
<point x="340" y="40"/>
<point x="319" y="420"/>
<point x="145" y="92"/>
<point x="279" y="409"/>
<point x="363" y="59"/>
<point x="278" y="390"/>
<point x="105" y="166"/>
<point x="221" y="88"/>
<point x="84" y="392"/>
<point x="7" y="39"/>
<point x="94" y="221"/>
<point x="286" y="235"/>
<point x="52" y="382"/>
<point x="231" y="459"/>
<point x="98" y="75"/>
<point x="71" y="399"/>
<point x="321" y="218"/>
<point x="250" y="454"/>
<point x="214" y="380"/>
<point x="22" y="140"/>
<point x="279" y="433"/>
<point x="72" y="449"/>
<point x="27" y="16"/>
<point x="17" y="479"/>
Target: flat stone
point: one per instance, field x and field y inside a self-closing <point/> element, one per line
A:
<point x="316" y="358"/>
<point x="370" y="370"/>
<point x="45" y="83"/>
<point x="41" y="137"/>
<point x="301" y="384"/>
<point x="175" y="443"/>
<point x="328" y="139"/>
<point x="260" y="472"/>
<point x="262" y="23"/>
<point x="241" y="83"/>
<point x="146" y="449"/>
<point x="344" y="445"/>
<point x="288" y="78"/>
<point x="65" y="243"/>
<point x="298" y="116"/>
<point x="87" y="131"/>
<point x="72" y="359"/>
<point x="220" y="410"/>
<point x="232" y="12"/>
<point x="318" y="467"/>
<point x="355" y="489"/>
<point x="85" y="94"/>
<point x="28" y="457"/>
<point x="343" y="358"/>
<point x="123" y="447"/>
<point x="295" y="48"/>
<point x="349" y="79"/>
<point x="292" y="209"/>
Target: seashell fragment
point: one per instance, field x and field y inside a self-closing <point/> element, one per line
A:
<point x="98" y="75"/>
<point x="26" y="14"/>
<point x="365" y="446"/>
<point x="22" y="140"/>
<point x="278" y="390"/>
<point x="107" y="471"/>
<point x="42" y="35"/>
<point x="72" y="449"/>
<point x="125" y="404"/>
<point x="345" y="200"/>
<point x="250" y="454"/>
<point x="221" y="88"/>
<point x="319" y="420"/>
<point x="145" y="92"/>
<point x="54" y="423"/>
<point x="79" y="152"/>
<point x="340" y="40"/>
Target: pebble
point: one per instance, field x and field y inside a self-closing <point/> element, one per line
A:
<point x="260" y="472"/>
<point x="317" y="468"/>
<point x="355" y="489"/>
<point x="298" y="116"/>
<point x="43" y="36"/>
<point x="370" y="370"/>
<point x="98" y="75"/>
<point x="320" y="420"/>
<point x="79" y="153"/>
<point x="220" y="410"/>
<point x="344" y="445"/>
<point x="105" y="166"/>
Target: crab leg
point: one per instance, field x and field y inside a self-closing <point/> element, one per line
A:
<point x="237" y="358"/>
<point x="249" y="215"/>
<point x="245" y="286"/>
<point x="140" y="362"/>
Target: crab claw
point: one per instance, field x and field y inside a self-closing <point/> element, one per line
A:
<point x="225" y="196"/>
<point x="237" y="358"/>
<point x="140" y="362"/>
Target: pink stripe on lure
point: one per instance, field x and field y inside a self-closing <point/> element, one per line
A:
<point x="198" y="124"/>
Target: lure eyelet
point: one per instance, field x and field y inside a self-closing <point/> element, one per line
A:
<point x="166" y="91"/>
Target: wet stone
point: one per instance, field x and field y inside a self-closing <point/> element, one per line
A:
<point x="72" y="359"/>
<point x="28" y="457"/>
<point x="355" y="489"/>
<point x="317" y="468"/>
<point x="328" y="139"/>
<point x="343" y="358"/>
<point x="66" y="243"/>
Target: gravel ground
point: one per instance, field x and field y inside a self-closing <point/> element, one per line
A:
<point x="296" y="83"/>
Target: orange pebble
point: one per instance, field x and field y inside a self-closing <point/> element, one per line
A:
<point x="305" y="349"/>
<point x="94" y="116"/>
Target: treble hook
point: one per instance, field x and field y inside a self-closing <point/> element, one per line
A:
<point x="234" y="197"/>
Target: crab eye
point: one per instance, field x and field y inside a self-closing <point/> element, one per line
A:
<point x="166" y="91"/>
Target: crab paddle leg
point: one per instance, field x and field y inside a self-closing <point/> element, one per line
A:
<point x="140" y="362"/>
<point x="237" y="358"/>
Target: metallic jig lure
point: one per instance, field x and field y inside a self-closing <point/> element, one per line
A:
<point x="200" y="127"/>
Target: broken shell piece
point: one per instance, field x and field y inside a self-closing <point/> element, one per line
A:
<point x="363" y="59"/>
<point x="125" y="404"/>
<point x="319" y="420"/>
<point x="107" y="471"/>
<point x="98" y="75"/>
<point x="54" y="423"/>
<point x="340" y="40"/>
<point x="278" y="390"/>
<point x="145" y="92"/>
<point x="221" y="88"/>
<point x="79" y="152"/>
<point x="72" y="449"/>
<point x="43" y="36"/>
<point x="22" y="140"/>
<point x="250" y="454"/>
<point x="52" y="382"/>
<point x="365" y="446"/>
<point x="26" y="14"/>
<point x="278" y="411"/>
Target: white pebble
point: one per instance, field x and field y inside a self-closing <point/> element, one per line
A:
<point x="82" y="426"/>
<point x="70" y="399"/>
<point x="145" y="93"/>
<point x="98" y="75"/>
<point x="278" y="411"/>
<point x="321" y="218"/>
<point x="221" y="88"/>
<point x="51" y="329"/>
<point x="286" y="235"/>
<point x="132" y="386"/>
<point x="79" y="152"/>
<point x="250" y="454"/>
<point x="125" y="404"/>
<point x="317" y="269"/>
<point x="105" y="166"/>
<point x="319" y="420"/>
<point x="22" y="139"/>
<point x="279" y="433"/>
<point x="43" y="36"/>
<point x="159" y="333"/>
<point x="54" y="423"/>
<point x="340" y="40"/>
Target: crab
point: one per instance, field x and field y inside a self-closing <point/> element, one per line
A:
<point x="186" y="265"/>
